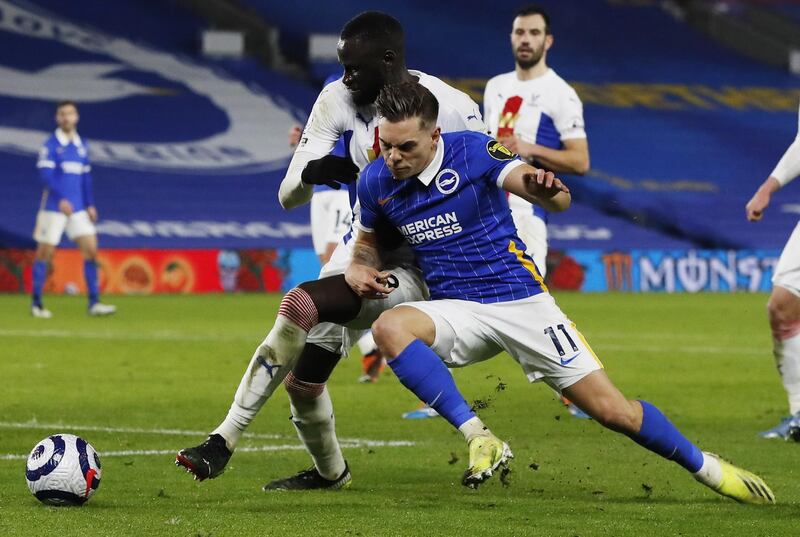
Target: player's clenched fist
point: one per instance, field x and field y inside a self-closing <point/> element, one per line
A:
<point x="757" y="205"/>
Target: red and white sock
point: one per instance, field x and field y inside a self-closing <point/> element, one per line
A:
<point x="271" y="362"/>
<point x="312" y="416"/>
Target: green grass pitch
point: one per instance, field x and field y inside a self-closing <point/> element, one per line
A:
<point x="169" y="364"/>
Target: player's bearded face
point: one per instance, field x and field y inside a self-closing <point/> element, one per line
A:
<point x="363" y="75"/>
<point x="529" y="40"/>
<point x="407" y="146"/>
<point x="67" y="118"/>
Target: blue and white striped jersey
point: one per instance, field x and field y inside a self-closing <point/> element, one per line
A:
<point x="456" y="219"/>
<point x="65" y="171"/>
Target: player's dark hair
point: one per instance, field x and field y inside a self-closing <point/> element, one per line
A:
<point x="533" y="9"/>
<point x="62" y="104"/>
<point x="397" y="102"/>
<point x="377" y="27"/>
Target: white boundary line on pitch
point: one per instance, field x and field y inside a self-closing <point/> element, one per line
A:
<point x="245" y="449"/>
<point x="32" y="425"/>
<point x="137" y="430"/>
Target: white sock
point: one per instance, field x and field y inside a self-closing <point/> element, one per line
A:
<point x="787" y="358"/>
<point x="710" y="474"/>
<point x="367" y="344"/>
<point x="473" y="427"/>
<point x="316" y="427"/>
<point x="270" y="364"/>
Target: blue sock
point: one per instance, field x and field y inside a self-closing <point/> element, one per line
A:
<point x="90" y="273"/>
<point x="661" y="437"/>
<point x="39" y="274"/>
<point x="420" y="370"/>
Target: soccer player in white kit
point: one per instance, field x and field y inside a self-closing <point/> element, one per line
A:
<point x="537" y="115"/>
<point x="784" y="302"/>
<point x="304" y="345"/>
<point x="331" y="216"/>
<point x="67" y="205"/>
<point x="446" y="194"/>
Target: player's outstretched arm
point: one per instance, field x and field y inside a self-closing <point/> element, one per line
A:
<point x="760" y="201"/>
<point x="538" y="186"/>
<point x="293" y="192"/>
<point x="787" y="169"/>
<point x="362" y="275"/>
<point x="306" y="170"/>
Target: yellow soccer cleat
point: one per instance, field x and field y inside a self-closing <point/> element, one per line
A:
<point x="743" y="486"/>
<point x="486" y="454"/>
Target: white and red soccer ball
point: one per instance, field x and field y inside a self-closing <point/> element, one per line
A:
<point x="63" y="469"/>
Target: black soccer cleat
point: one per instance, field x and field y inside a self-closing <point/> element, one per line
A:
<point x="310" y="480"/>
<point x="207" y="460"/>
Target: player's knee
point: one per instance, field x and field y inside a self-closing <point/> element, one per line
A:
<point x="298" y="306"/>
<point x="784" y="315"/>
<point x="384" y="330"/>
<point x="380" y="329"/>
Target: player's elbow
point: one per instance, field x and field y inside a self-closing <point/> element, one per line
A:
<point x="286" y="199"/>
<point x="285" y="203"/>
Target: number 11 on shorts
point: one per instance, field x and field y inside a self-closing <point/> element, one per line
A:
<point x="554" y="338"/>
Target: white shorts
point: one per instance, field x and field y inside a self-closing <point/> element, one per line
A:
<point x="787" y="271"/>
<point x="330" y="218"/>
<point x="336" y="338"/>
<point x="533" y="232"/>
<point x="534" y="331"/>
<point x="50" y="225"/>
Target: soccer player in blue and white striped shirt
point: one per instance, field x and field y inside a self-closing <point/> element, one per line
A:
<point x="446" y="194"/>
<point x="67" y="204"/>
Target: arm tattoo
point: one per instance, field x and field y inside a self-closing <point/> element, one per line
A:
<point x="366" y="254"/>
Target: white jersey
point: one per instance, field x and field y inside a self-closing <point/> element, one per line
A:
<point x="787" y="271"/>
<point x="789" y="166"/>
<point x="544" y="111"/>
<point x="334" y="115"/>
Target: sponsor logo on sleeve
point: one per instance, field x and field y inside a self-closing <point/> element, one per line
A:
<point x="498" y="151"/>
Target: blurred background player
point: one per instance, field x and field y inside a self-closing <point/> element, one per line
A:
<point x="536" y="114"/>
<point x="783" y="306"/>
<point x="331" y="216"/>
<point x="67" y="204"/>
